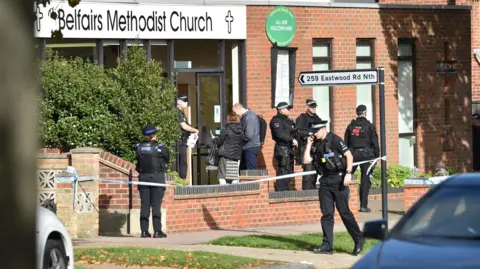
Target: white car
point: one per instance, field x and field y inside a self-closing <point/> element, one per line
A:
<point x="54" y="246"/>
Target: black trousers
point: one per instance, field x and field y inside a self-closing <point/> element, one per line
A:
<point x="151" y="197"/>
<point x="331" y="196"/>
<point x="309" y="182"/>
<point x="182" y="159"/>
<point x="285" y="167"/>
<point x="358" y="156"/>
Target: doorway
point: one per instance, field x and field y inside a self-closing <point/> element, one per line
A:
<point x="209" y="114"/>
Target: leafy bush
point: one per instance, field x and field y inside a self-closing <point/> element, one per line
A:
<point x="78" y="107"/>
<point x="396" y="174"/>
<point x="85" y="106"/>
<point x="145" y="97"/>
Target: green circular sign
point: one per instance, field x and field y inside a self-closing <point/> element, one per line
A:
<point x="281" y="26"/>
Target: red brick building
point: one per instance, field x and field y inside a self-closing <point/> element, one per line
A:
<point x="441" y="122"/>
<point x="476" y="61"/>
<point x="428" y="114"/>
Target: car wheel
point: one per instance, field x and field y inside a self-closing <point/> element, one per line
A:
<point x="55" y="256"/>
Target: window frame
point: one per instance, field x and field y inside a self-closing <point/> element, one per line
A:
<point x="329" y="61"/>
<point x="411" y="42"/>
<point x="371" y="43"/>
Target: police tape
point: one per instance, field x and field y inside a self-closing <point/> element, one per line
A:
<point x="142" y="183"/>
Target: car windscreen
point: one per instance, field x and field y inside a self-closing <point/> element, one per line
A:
<point x="451" y="212"/>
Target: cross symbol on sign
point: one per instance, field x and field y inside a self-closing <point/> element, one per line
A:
<point x="229" y="20"/>
<point x="39" y="16"/>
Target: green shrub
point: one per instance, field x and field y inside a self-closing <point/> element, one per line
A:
<point x="85" y="106"/>
<point x="145" y="97"/>
<point x="396" y="174"/>
<point x="77" y="108"/>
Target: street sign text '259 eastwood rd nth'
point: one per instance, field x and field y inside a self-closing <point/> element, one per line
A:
<point x="339" y="77"/>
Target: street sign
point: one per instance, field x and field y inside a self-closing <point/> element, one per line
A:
<point x="338" y="77"/>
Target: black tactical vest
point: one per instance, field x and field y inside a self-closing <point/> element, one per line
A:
<point x="151" y="158"/>
<point x="359" y="136"/>
<point x="326" y="160"/>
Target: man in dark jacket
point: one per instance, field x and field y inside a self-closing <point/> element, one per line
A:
<point x="362" y="140"/>
<point x="304" y="122"/>
<point x="251" y="136"/>
<point x="230" y="144"/>
<point x="282" y="128"/>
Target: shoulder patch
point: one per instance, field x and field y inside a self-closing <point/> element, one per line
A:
<point x="276" y="125"/>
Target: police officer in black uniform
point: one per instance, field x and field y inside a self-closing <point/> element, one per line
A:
<point x="152" y="159"/>
<point x="282" y="128"/>
<point x="362" y="139"/>
<point x="333" y="160"/>
<point x="304" y="121"/>
<point x="185" y="130"/>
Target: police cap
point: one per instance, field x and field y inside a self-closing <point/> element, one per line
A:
<point x="183" y="97"/>
<point x="311" y="103"/>
<point x="149" y="129"/>
<point x="318" y="124"/>
<point x="361" y="108"/>
<point x="284" y="105"/>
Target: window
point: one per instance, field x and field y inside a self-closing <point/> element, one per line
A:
<point x="406" y="104"/>
<point x="323" y="95"/>
<point x="451" y="212"/>
<point x="366" y="60"/>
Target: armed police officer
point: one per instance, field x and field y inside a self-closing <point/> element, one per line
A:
<point x="333" y="161"/>
<point x="282" y="128"/>
<point x="362" y="139"/>
<point x="303" y="123"/>
<point x="186" y="129"/>
<point x="152" y="159"/>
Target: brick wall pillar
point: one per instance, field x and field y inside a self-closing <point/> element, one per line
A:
<point x="81" y="221"/>
<point x="412" y="193"/>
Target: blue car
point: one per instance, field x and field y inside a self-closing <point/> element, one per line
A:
<point x="442" y="230"/>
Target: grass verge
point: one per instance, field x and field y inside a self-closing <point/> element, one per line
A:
<point x="342" y="242"/>
<point x="158" y="257"/>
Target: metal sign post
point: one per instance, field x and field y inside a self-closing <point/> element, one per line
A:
<point x="357" y="77"/>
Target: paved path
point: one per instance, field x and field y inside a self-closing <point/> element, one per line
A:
<point x="196" y="241"/>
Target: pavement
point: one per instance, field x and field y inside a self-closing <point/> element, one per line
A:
<point x="197" y="241"/>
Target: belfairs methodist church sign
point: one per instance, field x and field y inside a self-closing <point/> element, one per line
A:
<point x="138" y="21"/>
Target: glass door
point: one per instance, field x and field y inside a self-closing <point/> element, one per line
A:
<point x="209" y="118"/>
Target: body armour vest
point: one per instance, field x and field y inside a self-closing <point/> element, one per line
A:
<point x="359" y="136"/>
<point x="328" y="160"/>
<point x="151" y="157"/>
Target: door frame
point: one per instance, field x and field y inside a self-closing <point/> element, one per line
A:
<point x="222" y="99"/>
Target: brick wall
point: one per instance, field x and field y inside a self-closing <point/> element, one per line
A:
<point x="391" y="196"/>
<point x="81" y="221"/>
<point x="241" y="211"/>
<point x="431" y="30"/>
<point x="197" y="213"/>
<point x="412" y="193"/>
<point x="475" y="45"/>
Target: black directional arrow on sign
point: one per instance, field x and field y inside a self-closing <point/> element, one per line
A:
<point x="300" y="78"/>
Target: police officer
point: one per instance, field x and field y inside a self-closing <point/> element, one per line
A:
<point x="185" y="130"/>
<point x="303" y="125"/>
<point x="333" y="160"/>
<point x="362" y="139"/>
<point x="282" y="128"/>
<point x="152" y="159"/>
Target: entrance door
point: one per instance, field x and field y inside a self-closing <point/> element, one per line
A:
<point x="209" y="115"/>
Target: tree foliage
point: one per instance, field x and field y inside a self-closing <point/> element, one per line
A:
<point x="84" y="105"/>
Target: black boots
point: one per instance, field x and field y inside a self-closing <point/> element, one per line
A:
<point x="155" y="235"/>
<point x="323" y="250"/>
<point x="159" y="235"/>
<point x="358" y="246"/>
<point x="365" y="210"/>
